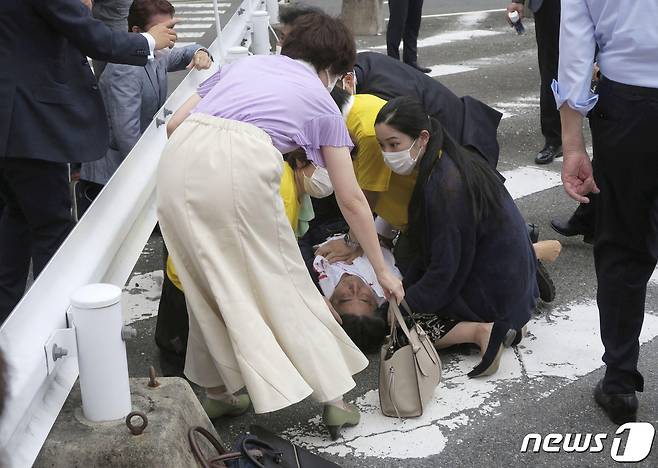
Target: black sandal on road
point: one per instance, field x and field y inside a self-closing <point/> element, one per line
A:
<point x="501" y="336"/>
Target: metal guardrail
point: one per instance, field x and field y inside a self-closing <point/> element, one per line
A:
<point x="103" y="247"/>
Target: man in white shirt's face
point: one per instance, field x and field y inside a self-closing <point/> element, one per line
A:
<point x="353" y="296"/>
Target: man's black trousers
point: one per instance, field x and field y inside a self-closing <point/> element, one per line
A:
<point x="547" y="31"/>
<point x="36" y="218"/>
<point x="623" y="125"/>
<point x="403" y="25"/>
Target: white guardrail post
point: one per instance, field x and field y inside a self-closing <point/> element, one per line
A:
<point x="37" y="340"/>
<point x="261" y="42"/>
<point x="102" y="359"/>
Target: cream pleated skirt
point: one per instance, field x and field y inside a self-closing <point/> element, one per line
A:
<point x="256" y="318"/>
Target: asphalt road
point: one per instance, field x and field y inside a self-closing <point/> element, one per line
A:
<point x="544" y="386"/>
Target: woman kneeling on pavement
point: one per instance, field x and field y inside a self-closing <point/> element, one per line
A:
<point x="256" y="318"/>
<point x="469" y="267"/>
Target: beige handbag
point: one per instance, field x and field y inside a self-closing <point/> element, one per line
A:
<point x="409" y="369"/>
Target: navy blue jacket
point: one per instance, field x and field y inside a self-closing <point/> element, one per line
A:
<point x="469" y="121"/>
<point x="50" y="104"/>
<point x="476" y="272"/>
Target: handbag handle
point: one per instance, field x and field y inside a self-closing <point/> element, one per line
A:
<point x="224" y="455"/>
<point x="397" y="317"/>
<point x="278" y="456"/>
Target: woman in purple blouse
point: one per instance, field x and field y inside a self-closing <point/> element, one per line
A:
<point x="256" y="319"/>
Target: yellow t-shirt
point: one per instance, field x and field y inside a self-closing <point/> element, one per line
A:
<point x="288" y="191"/>
<point x="371" y="171"/>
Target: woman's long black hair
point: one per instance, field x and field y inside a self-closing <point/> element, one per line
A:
<point x="481" y="183"/>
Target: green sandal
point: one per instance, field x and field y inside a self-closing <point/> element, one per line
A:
<point x="234" y="406"/>
<point x="335" y="418"/>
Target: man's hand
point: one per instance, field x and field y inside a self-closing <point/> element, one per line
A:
<point x="87" y="3"/>
<point x="518" y="7"/>
<point x="164" y="34"/>
<point x="201" y="60"/>
<point x="337" y="250"/>
<point x="577" y="176"/>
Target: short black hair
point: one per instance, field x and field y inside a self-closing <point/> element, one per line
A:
<point x="141" y="12"/>
<point x="323" y="41"/>
<point x="341" y="97"/>
<point x="288" y="14"/>
<point x="367" y="333"/>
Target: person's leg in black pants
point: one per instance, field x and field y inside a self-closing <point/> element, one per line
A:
<point x="625" y="249"/>
<point x="410" y="35"/>
<point x="35" y="220"/>
<point x="547" y="30"/>
<point x="398" y="10"/>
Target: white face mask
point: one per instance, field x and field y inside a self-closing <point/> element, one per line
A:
<point x="401" y="162"/>
<point x="319" y="184"/>
<point x="331" y="82"/>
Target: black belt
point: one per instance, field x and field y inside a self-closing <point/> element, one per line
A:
<point x="652" y="92"/>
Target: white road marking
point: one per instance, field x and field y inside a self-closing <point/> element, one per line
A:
<point x="191" y="34"/>
<point x="187" y="19"/>
<point x="527" y="180"/>
<point x="461" y="13"/>
<point x="183" y="44"/>
<point x="199" y="12"/>
<point x="458" y="398"/>
<point x="199" y="5"/>
<point x="451" y="36"/>
<point x="193" y="26"/>
<point x="141" y="296"/>
<point x="518" y="106"/>
<point x="442" y="70"/>
<point x="468" y="21"/>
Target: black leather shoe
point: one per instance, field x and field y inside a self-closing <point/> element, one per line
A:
<point x="548" y="154"/>
<point x="570" y="228"/>
<point x="545" y="283"/>
<point x="620" y="408"/>
<point x="419" y="68"/>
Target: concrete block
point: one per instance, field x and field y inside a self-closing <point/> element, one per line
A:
<point x="171" y="409"/>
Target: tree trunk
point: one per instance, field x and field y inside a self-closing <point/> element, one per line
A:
<point x="364" y="17"/>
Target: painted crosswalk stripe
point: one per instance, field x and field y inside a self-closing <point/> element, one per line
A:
<point x="184" y="19"/>
<point x="200" y="5"/>
<point x="191" y="34"/>
<point x="451" y="36"/>
<point x="518" y="106"/>
<point x="183" y="44"/>
<point x="524" y="181"/>
<point x="442" y="70"/>
<point x="193" y="26"/>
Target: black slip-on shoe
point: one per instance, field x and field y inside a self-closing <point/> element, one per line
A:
<point x="548" y="154"/>
<point x="570" y="228"/>
<point x="620" y="407"/>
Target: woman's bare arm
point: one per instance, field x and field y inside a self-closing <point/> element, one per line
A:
<point x="182" y="113"/>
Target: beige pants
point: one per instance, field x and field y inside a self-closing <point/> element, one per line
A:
<point x="256" y="318"/>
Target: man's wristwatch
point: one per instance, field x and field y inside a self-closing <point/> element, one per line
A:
<point x="351" y="243"/>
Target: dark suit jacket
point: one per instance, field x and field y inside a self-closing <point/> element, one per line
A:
<point x="50" y="104"/>
<point x="468" y="120"/>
